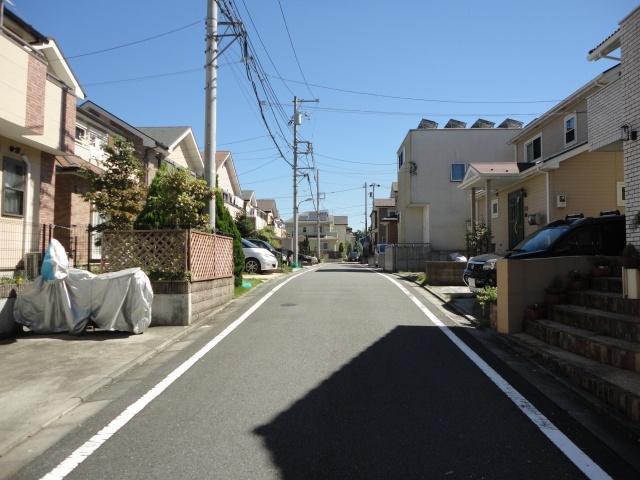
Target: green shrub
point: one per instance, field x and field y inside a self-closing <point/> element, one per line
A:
<point x="227" y="226"/>
<point x="487" y="295"/>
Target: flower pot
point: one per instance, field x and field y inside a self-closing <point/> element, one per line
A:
<point x="631" y="283"/>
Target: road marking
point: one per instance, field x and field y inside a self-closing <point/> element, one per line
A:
<point x="559" y="439"/>
<point x="85" y="450"/>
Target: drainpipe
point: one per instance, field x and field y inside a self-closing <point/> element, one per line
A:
<point x="487" y="204"/>
<point x="548" y="219"/>
<point x="473" y="207"/>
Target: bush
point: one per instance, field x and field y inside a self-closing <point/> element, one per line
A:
<point x="227" y="226"/>
<point x="487" y="296"/>
<point x="176" y="199"/>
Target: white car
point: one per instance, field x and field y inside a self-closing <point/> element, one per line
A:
<point x="257" y="259"/>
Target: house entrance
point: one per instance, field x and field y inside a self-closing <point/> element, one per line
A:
<point x="516" y="218"/>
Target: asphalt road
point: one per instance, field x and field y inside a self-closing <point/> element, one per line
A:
<point x="338" y="375"/>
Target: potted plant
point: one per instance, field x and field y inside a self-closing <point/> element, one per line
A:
<point x="630" y="272"/>
<point x="535" y="311"/>
<point x="488" y="300"/>
<point x="554" y="294"/>
<point x="601" y="267"/>
<point x="577" y="281"/>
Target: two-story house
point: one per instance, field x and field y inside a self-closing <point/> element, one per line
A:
<point x="331" y="229"/>
<point x="270" y="208"/>
<point x="37" y="122"/>
<point x="561" y="165"/>
<point x="384" y="221"/>
<point x="432" y="163"/>
<point x="228" y="183"/>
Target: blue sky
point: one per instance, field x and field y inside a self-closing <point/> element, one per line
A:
<point x="495" y="51"/>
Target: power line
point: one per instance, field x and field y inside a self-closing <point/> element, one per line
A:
<point x="354" y="161"/>
<point x="259" y="167"/>
<point x="284" y="19"/>
<point x="135" y="42"/>
<point x="243" y="140"/>
<point x="415" y="99"/>
<point x="423" y="114"/>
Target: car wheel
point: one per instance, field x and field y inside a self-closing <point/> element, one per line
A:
<point x="251" y="265"/>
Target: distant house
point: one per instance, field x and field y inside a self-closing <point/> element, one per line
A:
<point x="228" y="183"/>
<point x="432" y="162"/>
<point x="182" y="147"/>
<point x="257" y="216"/>
<point x="384" y="221"/>
<point x="37" y="122"/>
<point x="268" y="206"/>
<point x="616" y="113"/>
<point x="564" y="164"/>
<point x="333" y="230"/>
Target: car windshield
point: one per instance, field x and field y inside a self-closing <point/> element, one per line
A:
<point x="540" y="240"/>
<point x="248" y="244"/>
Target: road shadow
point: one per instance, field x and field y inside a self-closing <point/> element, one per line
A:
<point x="409" y="407"/>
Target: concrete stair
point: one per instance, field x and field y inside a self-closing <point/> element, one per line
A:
<point x="593" y="341"/>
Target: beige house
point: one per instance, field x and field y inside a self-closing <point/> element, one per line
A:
<point x="37" y="122"/>
<point x="566" y="162"/>
<point x="228" y="183"/>
<point x="431" y="165"/>
<point x="269" y="207"/>
<point x="182" y="148"/>
<point x="333" y="231"/>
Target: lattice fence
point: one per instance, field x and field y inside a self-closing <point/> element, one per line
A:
<point x="152" y="250"/>
<point x="169" y="253"/>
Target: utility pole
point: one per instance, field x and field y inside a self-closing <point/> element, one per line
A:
<point x="366" y="211"/>
<point x="373" y="203"/>
<point x="318" y="212"/>
<point x="297" y="120"/>
<point x="210" y="105"/>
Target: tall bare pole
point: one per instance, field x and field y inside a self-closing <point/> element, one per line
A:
<point x="296" y="120"/>
<point x="211" y="86"/>
<point x="318" y="212"/>
<point x="366" y="211"/>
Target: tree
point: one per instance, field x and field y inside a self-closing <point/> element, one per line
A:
<point x="176" y="199"/>
<point x="349" y="247"/>
<point x="268" y="234"/>
<point x="227" y="226"/>
<point x="118" y="194"/>
<point x="305" y="248"/>
<point x="245" y="225"/>
<point x="341" y="248"/>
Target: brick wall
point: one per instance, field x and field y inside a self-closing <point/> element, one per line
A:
<point x="70" y="208"/>
<point x="605" y="115"/>
<point x="47" y="190"/>
<point x="68" y="133"/>
<point x="631" y="77"/>
<point x="36" y="83"/>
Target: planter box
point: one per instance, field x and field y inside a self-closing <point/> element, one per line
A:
<point x="631" y="283"/>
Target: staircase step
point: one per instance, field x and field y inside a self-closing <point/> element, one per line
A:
<point x="607" y="284"/>
<point x="608" y="301"/>
<point x="611" y="351"/>
<point x="617" y="325"/>
<point x="618" y="389"/>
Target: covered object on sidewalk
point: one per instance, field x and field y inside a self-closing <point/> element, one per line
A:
<point x="65" y="299"/>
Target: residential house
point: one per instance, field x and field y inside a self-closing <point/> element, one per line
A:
<point x="228" y="183"/>
<point x="616" y="113"/>
<point x="562" y="165"/>
<point x="333" y="230"/>
<point x="432" y="162"/>
<point x="384" y="221"/>
<point x="268" y="206"/>
<point x="182" y="147"/>
<point x="37" y="122"/>
<point x="257" y="216"/>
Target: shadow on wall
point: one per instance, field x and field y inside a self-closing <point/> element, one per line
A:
<point x="410" y="406"/>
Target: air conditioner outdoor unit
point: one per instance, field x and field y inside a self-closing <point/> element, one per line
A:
<point x="32" y="264"/>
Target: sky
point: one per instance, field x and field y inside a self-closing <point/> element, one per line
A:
<point x="457" y="59"/>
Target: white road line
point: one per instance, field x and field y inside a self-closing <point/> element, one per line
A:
<point x="559" y="439"/>
<point x="85" y="450"/>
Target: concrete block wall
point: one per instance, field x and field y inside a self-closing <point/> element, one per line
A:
<point x="631" y="76"/>
<point x="209" y="294"/>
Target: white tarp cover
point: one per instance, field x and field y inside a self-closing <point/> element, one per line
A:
<point x="66" y="303"/>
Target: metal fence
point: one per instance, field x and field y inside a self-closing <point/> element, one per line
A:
<point x="405" y="257"/>
<point x="22" y="246"/>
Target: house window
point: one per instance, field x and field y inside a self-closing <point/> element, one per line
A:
<point x="81" y="133"/>
<point x="620" y="194"/>
<point x="494" y="208"/>
<point x="569" y="129"/>
<point x="457" y="172"/>
<point x="533" y="149"/>
<point x="13" y="185"/>
<point x="400" y="158"/>
<point x="304" y="229"/>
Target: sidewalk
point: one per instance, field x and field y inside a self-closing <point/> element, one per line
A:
<point x="43" y="377"/>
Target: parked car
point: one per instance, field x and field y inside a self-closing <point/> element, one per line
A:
<point x="353" y="256"/>
<point x="576" y="235"/>
<point x="265" y="245"/>
<point x="257" y="259"/>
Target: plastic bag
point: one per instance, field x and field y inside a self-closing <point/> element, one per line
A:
<point x="55" y="265"/>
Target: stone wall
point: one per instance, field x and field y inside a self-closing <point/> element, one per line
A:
<point x="444" y="273"/>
